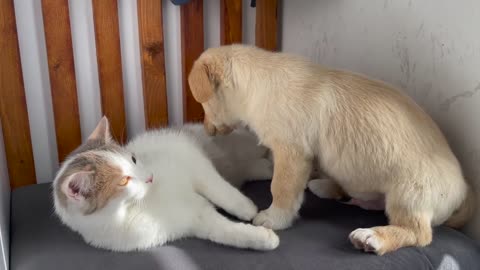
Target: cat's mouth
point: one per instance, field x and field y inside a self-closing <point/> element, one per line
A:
<point x="149" y="179"/>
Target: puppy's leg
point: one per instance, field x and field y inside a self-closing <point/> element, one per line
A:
<point x="324" y="187"/>
<point x="291" y="173"/>
<point x="408" y="227"/>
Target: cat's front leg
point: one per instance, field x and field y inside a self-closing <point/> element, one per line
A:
<point x="212" y="226"/>
<point x="217" y="190"/>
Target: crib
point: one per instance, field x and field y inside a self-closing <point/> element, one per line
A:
<point x="39" y="241"/>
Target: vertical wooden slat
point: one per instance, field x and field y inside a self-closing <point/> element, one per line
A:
<point x="13" y="107"/>
<point x="230" y="21"/>
<point x="107" y="40"/>
<point x="62" y="75"/>
<point x="266" y="24"/>
<point x="153" y="62"/>
<point x="191" y="17"/>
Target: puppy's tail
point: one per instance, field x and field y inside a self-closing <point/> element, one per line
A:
<point x="464" y="212"/>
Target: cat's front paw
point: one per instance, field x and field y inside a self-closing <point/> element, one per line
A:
<point x="274" y="218"/>
<point x="264" y="239"/>
<point x="270" y="241"/>
<point x="246" y="211"/>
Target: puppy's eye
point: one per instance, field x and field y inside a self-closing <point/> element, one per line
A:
<point x="124" y="181"/>
<point x="134" y="160"/>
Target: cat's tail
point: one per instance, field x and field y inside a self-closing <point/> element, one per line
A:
<point x="464" y="212"/>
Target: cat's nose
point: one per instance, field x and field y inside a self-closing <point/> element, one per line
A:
<point x="149" y="179"/>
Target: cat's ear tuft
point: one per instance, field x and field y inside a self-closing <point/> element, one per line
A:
<point x="77" y="185"/>
<point x="102" y="131"/>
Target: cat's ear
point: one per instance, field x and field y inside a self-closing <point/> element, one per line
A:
<point x="77" y="185"/>
<point x="102" y="131"/>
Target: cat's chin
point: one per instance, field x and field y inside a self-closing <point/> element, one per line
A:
<point x="139" y="197"/>
<point x="134" y="199"/>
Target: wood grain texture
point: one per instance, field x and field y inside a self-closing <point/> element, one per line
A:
<point x="107" y="40"/>
<point x="266" y="24"/>
<point x="230" y="21"/>
<point x="62" y="75"/>
<point x="13" y="107"/>
<point x="153" y="63"/>
<point x="191" y="18"/>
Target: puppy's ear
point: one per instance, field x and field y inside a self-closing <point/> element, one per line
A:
<point x="202" y="79"/>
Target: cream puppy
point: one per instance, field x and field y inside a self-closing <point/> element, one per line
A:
<point x="372" y="140"/>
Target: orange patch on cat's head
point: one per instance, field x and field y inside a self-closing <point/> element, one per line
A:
<point x="90" y="179"/>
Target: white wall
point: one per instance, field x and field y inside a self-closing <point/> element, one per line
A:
<point x="430" y="48"/>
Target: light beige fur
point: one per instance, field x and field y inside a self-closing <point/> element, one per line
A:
<point x="368" y="137"/>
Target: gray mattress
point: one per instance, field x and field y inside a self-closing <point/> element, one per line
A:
<point x="319" y="240"/>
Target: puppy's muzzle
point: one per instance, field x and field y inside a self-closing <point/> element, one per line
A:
<point x="213" y="130"/>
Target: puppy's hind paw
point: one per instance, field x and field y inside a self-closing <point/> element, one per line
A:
<point x="325" y="189"/>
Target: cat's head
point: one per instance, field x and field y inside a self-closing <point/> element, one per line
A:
<point x="98" y="174"/>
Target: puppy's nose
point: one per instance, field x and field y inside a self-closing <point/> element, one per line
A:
<point x="224" y="130"/>
<point x="209" y="127"/>
<point x="149" y="179"/>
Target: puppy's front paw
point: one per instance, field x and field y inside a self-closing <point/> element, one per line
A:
<point x="274" y="218"/>
<point x="366" y="240"/>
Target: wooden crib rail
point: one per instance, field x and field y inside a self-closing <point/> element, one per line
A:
<point x="109" y="61"/>
<point x="13" y="106"/>
<point x="58" y="38"/>
<point x="191" y="17"/>
<point x="63" y="84"/>
<point x="153" y="63"/>
<point x="230" y="22"/>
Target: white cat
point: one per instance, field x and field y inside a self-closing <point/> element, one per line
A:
<point x="162" y="186"/>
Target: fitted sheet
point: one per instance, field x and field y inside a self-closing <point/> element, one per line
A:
<point x="318" y="240"/>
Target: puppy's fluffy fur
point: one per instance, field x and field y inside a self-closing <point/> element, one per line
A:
<point x="368" y="137"/>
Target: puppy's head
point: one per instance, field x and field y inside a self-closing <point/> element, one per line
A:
<point x="210" y="87"/>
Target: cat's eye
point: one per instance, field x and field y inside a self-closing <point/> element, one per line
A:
<point x="134" y="160"/>
<point x="124" y="181"/>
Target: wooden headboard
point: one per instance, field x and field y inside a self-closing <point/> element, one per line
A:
<point x="13" y="108"/>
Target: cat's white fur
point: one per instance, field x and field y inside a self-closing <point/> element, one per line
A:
<point x="179" y="203"/>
